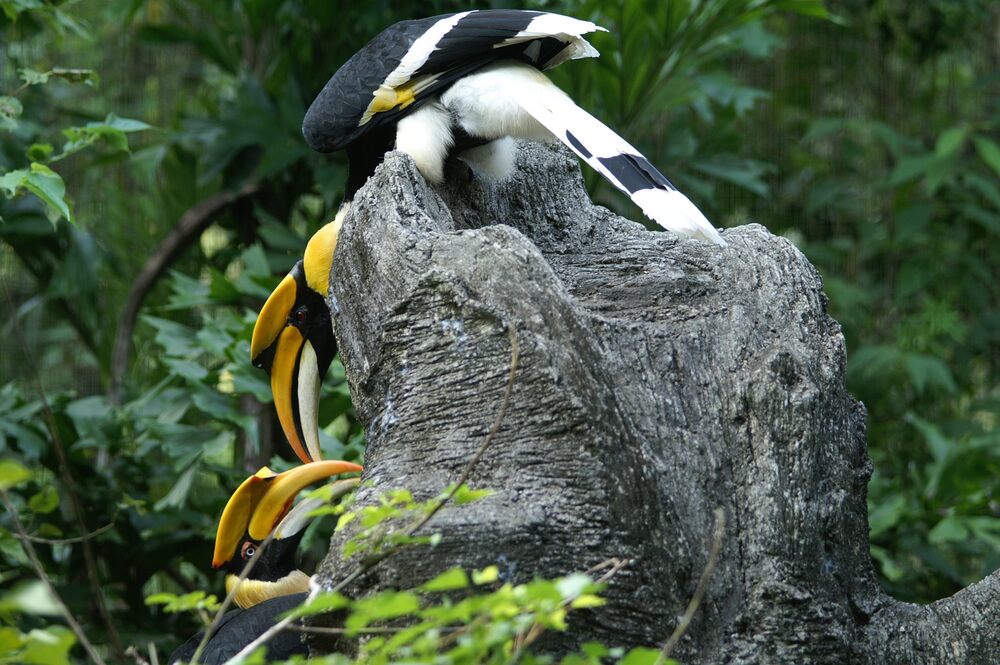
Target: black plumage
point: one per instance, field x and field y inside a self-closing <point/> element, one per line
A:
<point x="334" y="120"/>
<point x="240" y="627"/>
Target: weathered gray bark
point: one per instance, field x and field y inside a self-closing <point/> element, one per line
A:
<point x="659" y="379"/>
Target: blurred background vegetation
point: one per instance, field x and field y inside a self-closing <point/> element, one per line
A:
<point x="151" y="163"/>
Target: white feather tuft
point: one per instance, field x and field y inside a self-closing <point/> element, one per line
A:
<point x="425" y="135"/>
<point x="495" y="159"/>
<point x="308" y="390"/>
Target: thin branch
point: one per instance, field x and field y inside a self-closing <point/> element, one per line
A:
<point x="69" y="541"/>
<point x="210" y="630"/>
<point x="196" y="219"/>
<point x="373" y="561"/>
<point x="321" y="630"/>
<point x="71" y="490"/>
<point x="525" y="639"/>
<point x="699" y="592"/>
<point x="133" y="653"/>
<point x="467" y="471"/>
<point x="29" y="550"/>
<point x="343" y="487"/>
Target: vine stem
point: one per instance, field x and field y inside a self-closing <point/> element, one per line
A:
<point x="70" y="485"/>
<point x="373" y="561"/>
<point x="29" y="549"/>
<point x="699" y="592"/>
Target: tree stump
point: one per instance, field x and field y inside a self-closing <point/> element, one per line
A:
<point x="659" y="379"/>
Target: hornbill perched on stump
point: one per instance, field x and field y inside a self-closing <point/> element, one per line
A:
<point x="461" y="84"/>
<point x="262" y="504"/>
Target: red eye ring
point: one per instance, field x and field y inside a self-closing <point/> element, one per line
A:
<point x="247" y="550"/>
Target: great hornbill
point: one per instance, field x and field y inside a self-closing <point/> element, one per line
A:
<point x="262" y="503"/>
<point x="461" y="84"/>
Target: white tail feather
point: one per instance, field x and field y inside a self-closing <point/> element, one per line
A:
<point x="667" y="207"/>
<point x="514" y="99"/>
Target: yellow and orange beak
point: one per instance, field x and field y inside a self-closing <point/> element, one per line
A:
<point x="293" y="341"/>
<point x="262" y="500"/>
<point x="291" y="320"/>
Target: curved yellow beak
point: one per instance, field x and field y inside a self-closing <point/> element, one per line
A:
<point x="272" y="319"/>
<point x="260" y="502"/>
<point x="295" y="384"/>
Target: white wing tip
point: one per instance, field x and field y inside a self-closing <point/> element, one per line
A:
<point x="675" y="212"/>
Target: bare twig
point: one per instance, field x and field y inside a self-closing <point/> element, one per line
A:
<point x="71" y="490"/>
<point x="137" y="658"/>
<point x="195" y="219"/>
<point x="210" y="630"/>
<point x="373" y="561"/>
<point x="69" y="541"/>
<point x="29" y="550"/>
<point x="321" y="630"/>
<point x="467" y="471"/>
<point x="525" y="639"/>
<point x="345" y="487"/>
<point x="699" y="592"/>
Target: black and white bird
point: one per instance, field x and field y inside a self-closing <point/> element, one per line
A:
<point x="262" y="505"/>
<point x="467" y="85"/>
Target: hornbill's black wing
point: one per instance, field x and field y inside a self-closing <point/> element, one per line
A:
<point x="240" y="627"/>
<point x="411" y="61"/>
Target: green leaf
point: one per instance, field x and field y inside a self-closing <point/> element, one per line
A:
<point x="910" y="168"/>
<point x="45" y="501"/>
<point x="73" y="75"/>
<point x="47" y="185"/>
<point x="188" y="602"/>
<point x="12" y="473"/>
<point x="487" y="575"/>
<point x="10" y="640"/>
<point x="814" y="8"/>
<point x="48" y="646"/>
<point x="929" y="372"/>
<point x="178" y="493"/>
<point x="40" y="152"/>
<point x="32" y="77"/>
<point x="989" y="152"/>
<point x="449" y="580"/>
<point x="950" y="529"/>
<point x="10" y="111"/>
<point x="31" y="598"/>
<point x="574" y="585"/>
<point x="950" y="141"/>
<point x="886" y="515"/>
<point x="892" y="571"/>
<point x="641" y="656"/>
<point x="126" y="125"/>
<point x="321" y="604"/>
<point x="465" y="495"/>
<point x="382" y="606"/>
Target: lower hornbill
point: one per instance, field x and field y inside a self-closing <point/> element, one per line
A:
<point x="262" y="504"/>
<point x="460" y="84"/>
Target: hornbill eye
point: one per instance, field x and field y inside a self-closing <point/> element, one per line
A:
<point x="300" y="315"/>
<point x="248" y="550"/>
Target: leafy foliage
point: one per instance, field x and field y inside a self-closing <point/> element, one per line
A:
<point x="886" y="179"/>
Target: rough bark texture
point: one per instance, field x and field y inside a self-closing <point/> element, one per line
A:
<point x="659" y="379"/>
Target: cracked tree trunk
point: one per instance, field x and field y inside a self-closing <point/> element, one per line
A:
<point x="659" y="379"/>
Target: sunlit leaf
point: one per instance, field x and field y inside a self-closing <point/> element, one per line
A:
<point x="989" y="152"/>
<point x="454" y="578"/>
<point x="45" y="501"/>
<point x="323" y="603"/>
<point x="12" y="473"/>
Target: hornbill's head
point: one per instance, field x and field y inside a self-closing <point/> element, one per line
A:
<point x="261" y="504"/>
<point x="294" y="343"/>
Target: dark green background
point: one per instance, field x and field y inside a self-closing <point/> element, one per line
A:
<point x="866" y="135"/>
